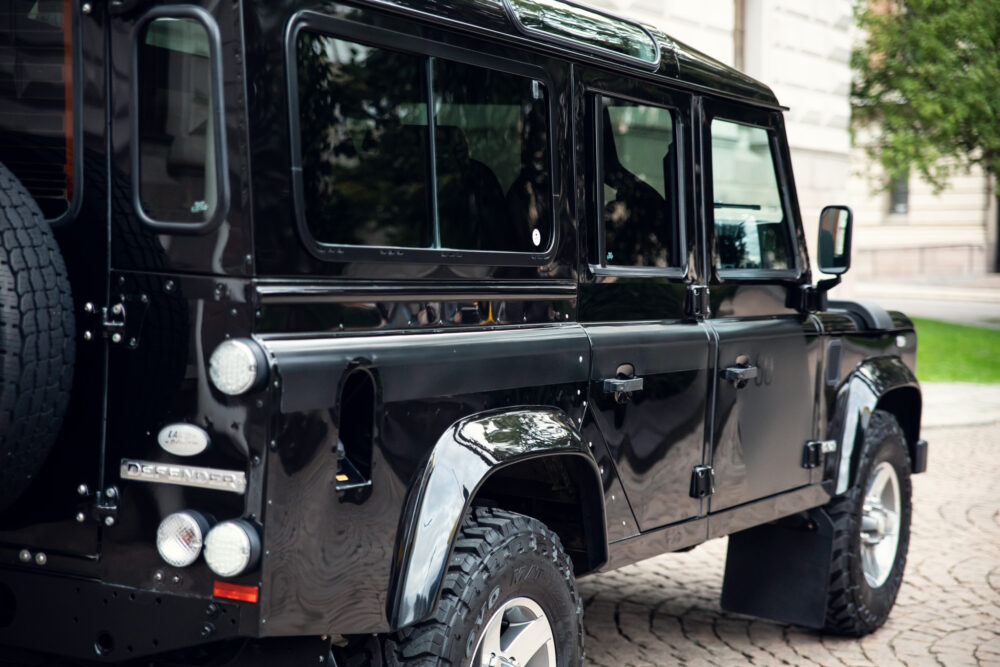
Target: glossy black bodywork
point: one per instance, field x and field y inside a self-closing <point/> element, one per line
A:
<point x="440" y="346"/>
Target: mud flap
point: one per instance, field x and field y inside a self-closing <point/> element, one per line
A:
<point x="781" y="571"/>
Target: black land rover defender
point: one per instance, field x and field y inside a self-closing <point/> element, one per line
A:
<point x="353" y="332"/>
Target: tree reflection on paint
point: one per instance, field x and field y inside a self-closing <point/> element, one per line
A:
<point x="511" y="434"/>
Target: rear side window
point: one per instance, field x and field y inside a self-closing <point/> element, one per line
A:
<point x="638" y="186"/>
<point x="36" y="100"/>
<point x="177" y="160"/>
<point x="750" y="227"/>
<point x="412" y="151"/>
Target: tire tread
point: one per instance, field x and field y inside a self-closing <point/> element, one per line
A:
<point x="36" y="338"/>
<point x="844" y="614"/>
<point x="423" y="643"/>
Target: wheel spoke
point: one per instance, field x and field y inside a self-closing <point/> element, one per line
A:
<point x="526" y="639"/>
<point x="877" y="487"/>
<point x="891" y="523"/>
<point x="490" y="644"/>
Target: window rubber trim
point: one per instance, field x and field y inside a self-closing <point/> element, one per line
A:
<point x="221" y="159"/>
<point x="602" y="268"/>
<point x="338" y="28"/>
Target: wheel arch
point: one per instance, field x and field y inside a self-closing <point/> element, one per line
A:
<point x="882" y="383"/>
<point x="530" y="460"/>
<point x="905" y="403"/>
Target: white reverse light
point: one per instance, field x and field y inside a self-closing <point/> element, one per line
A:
<point x="180" y="537"/>
<point x="232" y="548"/>
<point x="236" y="366"/>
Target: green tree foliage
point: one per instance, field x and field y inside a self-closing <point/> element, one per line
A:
<point x="927" y="80"/>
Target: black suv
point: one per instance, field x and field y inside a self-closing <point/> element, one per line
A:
<point x="358" y="330"/>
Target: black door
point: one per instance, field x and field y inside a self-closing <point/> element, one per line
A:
<point x="766" y="364"/>
<point x="52" y="122"/>
<point x="649" y="379"/>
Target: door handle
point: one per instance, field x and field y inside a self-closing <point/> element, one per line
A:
<point x="739" y="375"/>
<point x="622" y="385"/>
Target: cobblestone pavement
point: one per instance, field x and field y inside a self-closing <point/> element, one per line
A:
<point x="666" y="610"/>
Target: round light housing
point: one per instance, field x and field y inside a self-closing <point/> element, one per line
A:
<point x="180" y="537"/>
<point x="232" y="548"/>
<point x="237" y="366"/>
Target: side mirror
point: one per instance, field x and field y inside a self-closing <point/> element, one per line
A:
<point x="834" y="247"/>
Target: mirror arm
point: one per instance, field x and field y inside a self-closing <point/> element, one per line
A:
<point x="819" y="295"/>
<point x="811" y="298"/>
<point x="825" y="286"/>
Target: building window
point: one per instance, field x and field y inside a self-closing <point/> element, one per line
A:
<point x="899" y="195"/>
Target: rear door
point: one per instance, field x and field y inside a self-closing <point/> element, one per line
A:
<point x="52" y="137"/>
<point x="649" y="377"/>
<point x="767" y="352"/>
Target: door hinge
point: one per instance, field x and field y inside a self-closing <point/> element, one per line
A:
<point x="696" y="303"/>
<point x="812" y="453"/>
<point x="702" y="481"/>
<point x="100" y="506"/>
<point x="110" y="321"/>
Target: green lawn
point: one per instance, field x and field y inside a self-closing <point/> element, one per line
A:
<point x="957" y="353"/>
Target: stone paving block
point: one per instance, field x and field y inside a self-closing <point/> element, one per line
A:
<point x="665" y="611"/>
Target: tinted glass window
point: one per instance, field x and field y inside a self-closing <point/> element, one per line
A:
<point x="639" y="192"/>
<point x="365" y="166"/>
<point x="177" y="180"/>
<point x="36" y="92"/>
<point x="750" y="227"/>
<point x="367" y="153"/>
<point x="491" y="159"/>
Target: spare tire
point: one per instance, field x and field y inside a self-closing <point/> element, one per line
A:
<point x="37" y="346"/>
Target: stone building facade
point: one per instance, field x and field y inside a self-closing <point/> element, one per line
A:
<point x="802" y="51"/>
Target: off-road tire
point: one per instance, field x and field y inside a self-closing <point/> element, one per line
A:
<point x="495" y="548"/>
<point x="37" y="346"/>
<point x="854" y="608"/>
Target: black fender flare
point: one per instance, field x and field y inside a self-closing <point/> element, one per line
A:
<point x="464" y="457"/>
<point x="880" y="382"/>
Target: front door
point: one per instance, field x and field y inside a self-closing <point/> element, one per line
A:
<point x="766" y="360"/>
<point x="649" y="377"/>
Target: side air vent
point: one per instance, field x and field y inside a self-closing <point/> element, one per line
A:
<point x="357" y="432"/>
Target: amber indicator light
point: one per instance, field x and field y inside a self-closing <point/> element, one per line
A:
<point x="235" y="592"/>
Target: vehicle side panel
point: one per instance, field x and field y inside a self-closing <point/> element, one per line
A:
<point x="331" y="556"/>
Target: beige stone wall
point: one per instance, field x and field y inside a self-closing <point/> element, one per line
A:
<point x="802" y="51"/>
<point x="943" y="234"/>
